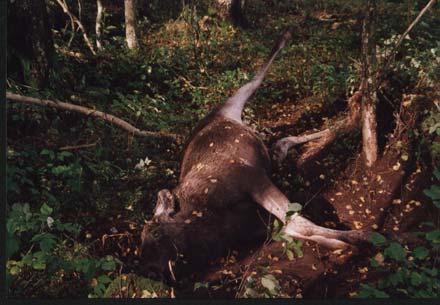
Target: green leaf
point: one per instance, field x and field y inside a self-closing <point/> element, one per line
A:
<point x="416" y="279"/>
<point x="58" y="170"/>
<point x="198" y="285"/>
<point x="294" y="207"/>
<point x="14" y="270"/>
<point x="436" y="173"/>
<point x="378" y="239"/>
<point x="420" y="252"/>
<point x="47" y="244"/>
<point x="63" y="155"/>
<point x="108" y="265"/>
<point x="395" y="251"/>
<point x="433" y="192"/>
<point x="289" y="254"/>
<point x="39" y="264"/>
<point x="46" y="210"/>
<point x="368" y="291"/>
<point x="433" y="236"/>
<point x="104" y="279"/>
<point x="269" y="282"/>
<point x="297" y="248"/>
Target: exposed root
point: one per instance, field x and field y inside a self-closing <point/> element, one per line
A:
<point x="320" y="140"/>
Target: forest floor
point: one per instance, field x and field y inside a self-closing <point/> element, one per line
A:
<point x="190" y="62"/>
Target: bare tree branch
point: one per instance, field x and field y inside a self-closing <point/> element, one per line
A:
<point x="77" y="147"/>
<point x="93" y="113"/>
<point x="66" y="10"/>
<point x="388" y="60"/>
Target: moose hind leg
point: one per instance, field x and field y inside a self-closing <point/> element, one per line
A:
<point x="233" y="107"/>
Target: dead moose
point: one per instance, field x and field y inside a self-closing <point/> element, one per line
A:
<point x="224" y="178"/>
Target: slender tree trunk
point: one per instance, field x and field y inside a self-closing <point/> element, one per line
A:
<point x="233" y="9"/>
<point x="130" y="24"/>
<point x="98" y="23"/>
<point x="30" y="37"/>
<point x="369" y="98"/>
<point x="236" y="13"/>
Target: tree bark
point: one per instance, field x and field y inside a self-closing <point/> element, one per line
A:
<point x="237" y="15"/>
<point x="130" y="24"/>
<point x="369" y="93"/>
<point x="233" y="9"/>
<point x="98" y="23"/>
<point x="30" y="39"/>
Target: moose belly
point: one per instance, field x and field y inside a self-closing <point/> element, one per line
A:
<point x="222" y="145"/>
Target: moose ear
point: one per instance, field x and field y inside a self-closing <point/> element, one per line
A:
<point x="165" y="206"/>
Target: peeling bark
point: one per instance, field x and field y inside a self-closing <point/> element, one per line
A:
<point x="369" y="94"/>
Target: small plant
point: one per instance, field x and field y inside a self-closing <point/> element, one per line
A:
<point x="407" y="272"/>
<point x="266" y="287"/>
<point x="291" y="247"/>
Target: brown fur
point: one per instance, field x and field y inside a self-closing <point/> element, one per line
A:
<point x="215" y="209"/>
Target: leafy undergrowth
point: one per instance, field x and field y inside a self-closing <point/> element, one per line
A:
<point x="74" y="215"/>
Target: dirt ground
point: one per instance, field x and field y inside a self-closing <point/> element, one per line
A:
<point x="336" y="191"/>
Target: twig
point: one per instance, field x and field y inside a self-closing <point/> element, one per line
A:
<point x="93" y="113"/>
<point x="390" y="57"/>
<point x="76" y="147"/>
<point x="66" y="10"/>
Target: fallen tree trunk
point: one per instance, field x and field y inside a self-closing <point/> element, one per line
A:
<point x="92" y="113"/>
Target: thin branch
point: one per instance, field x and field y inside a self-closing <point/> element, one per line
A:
<point x="72" y="24"/>
<point x="77" y="147"/>
<point x="66" y="10"/>
<point x="390" y="57"/>
<point x="93" y="113"/>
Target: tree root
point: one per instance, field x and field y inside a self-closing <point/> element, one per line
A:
<point x="320" y="140"/>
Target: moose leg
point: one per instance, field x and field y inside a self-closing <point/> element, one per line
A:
<point x="233" y="107"/>
<point x="265" y="193"/>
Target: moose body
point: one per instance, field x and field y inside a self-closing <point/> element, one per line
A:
<point x="223" y="186"/>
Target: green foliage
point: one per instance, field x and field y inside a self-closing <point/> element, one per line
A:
<point x="134" y="286"/>
<point x="192" y="59"/>
<point x="434" y="191"/>
<point x="407" y="272"/>
<point x="291" y="247"/>
<point x="50" y="249"/>
<point x="266" y="287"/>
